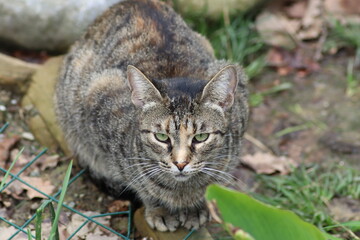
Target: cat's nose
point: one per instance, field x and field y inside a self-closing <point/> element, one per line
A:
<point x="181" y="165"/>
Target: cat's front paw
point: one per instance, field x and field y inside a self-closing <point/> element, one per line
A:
<point x="160" y="219"/>
<point x="195" y="218"/>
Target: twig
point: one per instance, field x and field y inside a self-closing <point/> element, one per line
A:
<point x="257" y="143"/>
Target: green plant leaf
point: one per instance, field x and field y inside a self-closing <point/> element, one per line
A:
<point x="261" y="221"/>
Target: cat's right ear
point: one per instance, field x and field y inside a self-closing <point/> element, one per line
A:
<point x="143" y="92"/>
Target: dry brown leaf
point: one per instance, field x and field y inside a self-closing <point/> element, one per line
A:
<point x="296" y="10"/>
<point x="297" y="61"/>
<point x="6" y="143"/>
<point x="39" y="183"/>
<point x="7" y="232"/>
<point x="96" y="236"/>
<point x="275" y="30"/>
<point x="345" y="209"/>
<point x="118" y="206"/>
<point x="343" y="7"/>
<point x="90" y="228"/>
<point x="14" y="189"/>
<point x="47" y="161"/>
<point x="21" y="162"/>
<point x="268" y="163"/>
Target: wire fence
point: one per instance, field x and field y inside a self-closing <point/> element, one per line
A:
<point x="53" y="198"/>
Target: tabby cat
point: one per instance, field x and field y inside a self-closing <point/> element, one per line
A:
<point x="146" y="107"/>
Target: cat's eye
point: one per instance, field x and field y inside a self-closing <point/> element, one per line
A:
<point x="202" y="137"/>
<point x="162" y="137"/>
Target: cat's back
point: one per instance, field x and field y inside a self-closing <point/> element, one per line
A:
<point x="145" y="33"/>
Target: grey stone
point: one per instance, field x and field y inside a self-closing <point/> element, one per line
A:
<point x="47" y="24"/>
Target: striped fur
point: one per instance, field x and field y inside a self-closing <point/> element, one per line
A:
<point x="110" y="111"/>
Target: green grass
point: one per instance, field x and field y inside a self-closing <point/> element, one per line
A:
<point x="341" y="35"/>
<point x="234" y="39"/>
<point x="257" y="98"/>
<point x="3" y="181"/>
<point x="54" y="232"/>
<point x="308" y="191"/>
<point x="353" y="86"/>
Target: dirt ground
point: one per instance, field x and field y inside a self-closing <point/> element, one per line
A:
<point x="323" y="123"/>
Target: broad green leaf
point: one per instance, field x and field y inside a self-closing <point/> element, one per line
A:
<point x="261" y="221"/>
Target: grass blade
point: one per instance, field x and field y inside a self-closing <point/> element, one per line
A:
<point x="11" y="166"/>
<point x="29" y="234"/>
<point x="52" y="216"/>
<point x="54" y="228"/>
<point x="38" y="222"/>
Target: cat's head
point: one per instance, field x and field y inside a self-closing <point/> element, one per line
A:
<point x="183" y="122"/>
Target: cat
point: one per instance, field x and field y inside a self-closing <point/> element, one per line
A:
<point x="146" y="107"/>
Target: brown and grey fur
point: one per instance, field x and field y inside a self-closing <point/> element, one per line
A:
<point x="110" y="110"/>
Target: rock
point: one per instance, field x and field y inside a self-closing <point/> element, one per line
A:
<point x="47" y="24"/>
<point x="214" y="8"/>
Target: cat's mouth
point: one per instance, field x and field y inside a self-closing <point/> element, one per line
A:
<point x="181" y="177"/>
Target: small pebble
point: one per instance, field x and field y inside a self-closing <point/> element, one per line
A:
<point x="71" y="204"/>
<point x="28" y="136"/>
<point x="35" y="173"/>
<point x="14" y="101"/>
<point x="2" y="108"/>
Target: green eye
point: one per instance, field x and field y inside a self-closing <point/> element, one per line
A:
<point x="202" y="137"/>
<point x="161" y="137"/>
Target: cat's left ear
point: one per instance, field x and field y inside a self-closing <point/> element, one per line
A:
<point x="221" y="88"/>
<point x="143" y="92"/>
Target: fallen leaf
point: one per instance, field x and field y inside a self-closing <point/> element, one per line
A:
<point x="312" y="22"/>
<point x="47" y="161"/>
<point x="21" y="162"/>
<point x="14" y="189"/>
<point x="7" y="232"/>
<point x="268" y="163"/>
<point x="298" y="61"/>
<point x="37" y="182"/>
<point x="296" y="9"/>
<point x="345" y="209"/>
<point x="6" y="143"/>
<point x="118" y="206"/>
<point x="273" y="29"/>
<point x="344" y="7"/>
<point x="96" y="236"/>
<point x="90" y="228"/>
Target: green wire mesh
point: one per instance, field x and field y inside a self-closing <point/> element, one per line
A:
<point x="53" y="198"/>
